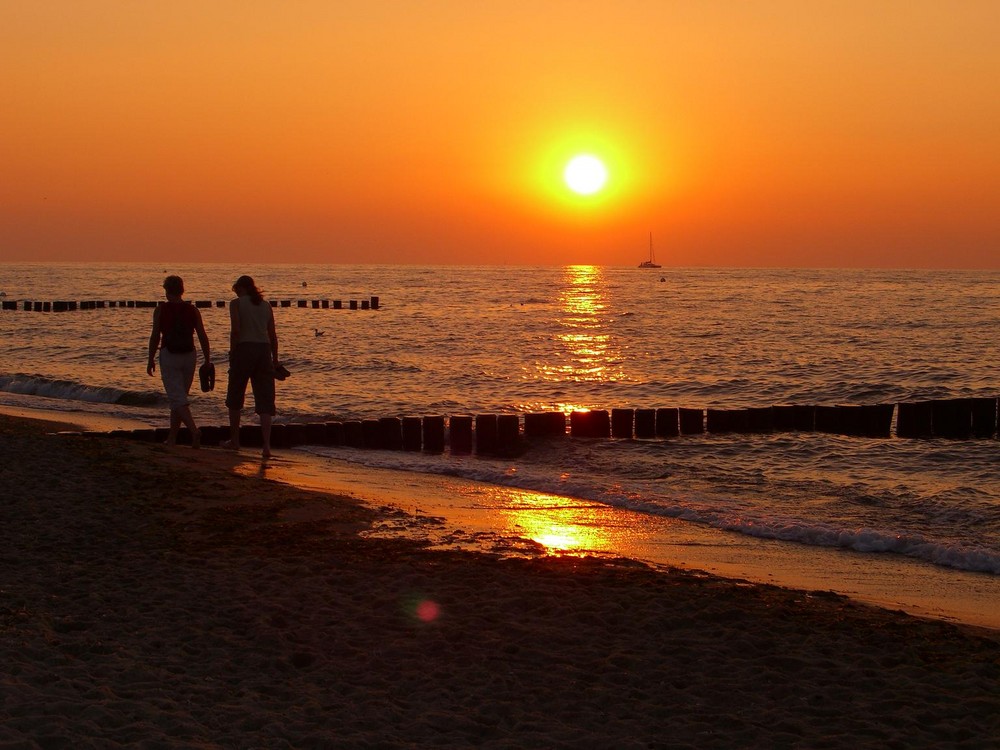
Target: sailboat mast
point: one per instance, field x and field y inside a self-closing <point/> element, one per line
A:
<point x="652" y="259"/>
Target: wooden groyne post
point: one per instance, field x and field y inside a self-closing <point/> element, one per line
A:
<point x="645" y="424"/>
<point x="545" y="424"/>
<point x="508" y="434"/>
<point x="487" y="438"/>
<point x="622" y="423"/>
<point x="668" y="422"/>
<point x="390" y="433"/>
<point x="692" y="421"/>
<point x="412" y="433"/>
<point x="460" y="433"/>
<point x="433" y="434"/>
<point x="984" y="417"/>
<point x="590" y="424"/>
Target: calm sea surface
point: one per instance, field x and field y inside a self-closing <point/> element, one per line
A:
<point x="467" y="340"/>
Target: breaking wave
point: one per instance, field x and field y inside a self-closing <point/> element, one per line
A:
<point x="38" y="385"/>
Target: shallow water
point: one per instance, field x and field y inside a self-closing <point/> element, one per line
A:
<point x="466" y="340"/>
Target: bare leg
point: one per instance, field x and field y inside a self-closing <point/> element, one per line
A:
<point x="175" y="424"/>
<point x="184" y="416"/>
<point x="265" y="434"/>
<point x="234" y="429"/>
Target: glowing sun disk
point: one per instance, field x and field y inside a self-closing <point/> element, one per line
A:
<point x="585" y="174"/>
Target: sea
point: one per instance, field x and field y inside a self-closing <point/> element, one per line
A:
<point x="457" y="340"/>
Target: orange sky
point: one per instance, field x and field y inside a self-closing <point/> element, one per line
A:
<point x="763" y="133"/>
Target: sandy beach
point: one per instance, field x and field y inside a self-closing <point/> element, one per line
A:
<point x="159" y="598"/>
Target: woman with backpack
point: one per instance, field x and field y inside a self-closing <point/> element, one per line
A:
<point x="174" y="325"/>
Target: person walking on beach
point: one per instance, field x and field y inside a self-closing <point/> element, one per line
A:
<point x="174" y="326"/>
<point x="253" y="356"/>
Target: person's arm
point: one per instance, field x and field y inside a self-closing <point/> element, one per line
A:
<point x="234" y="326"/>
<point x="199" y="327"/>
<point x="272" y="334"/>
<point x="154" y="342"/>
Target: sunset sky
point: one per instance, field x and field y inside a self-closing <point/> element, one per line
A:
<point x="772" y="133"/>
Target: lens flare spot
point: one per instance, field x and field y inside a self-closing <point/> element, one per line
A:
<point x="427" y="610"/>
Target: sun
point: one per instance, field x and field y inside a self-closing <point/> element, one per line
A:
<point x="585" y="174"/>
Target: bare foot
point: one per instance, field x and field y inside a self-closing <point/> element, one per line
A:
<point x="229" y="445"/>
<point x="266" y="453"/>
<point x="196" y="439"/>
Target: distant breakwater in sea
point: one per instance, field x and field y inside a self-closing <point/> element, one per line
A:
<point x="372" y="303"/>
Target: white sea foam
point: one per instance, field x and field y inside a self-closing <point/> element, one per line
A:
<point x="68" y="390"/>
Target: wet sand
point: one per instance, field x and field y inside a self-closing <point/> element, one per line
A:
<point x="461" y="514"/>
<point x="178" y="598"/>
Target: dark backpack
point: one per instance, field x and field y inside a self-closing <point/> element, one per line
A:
<point x="178" y="328"/>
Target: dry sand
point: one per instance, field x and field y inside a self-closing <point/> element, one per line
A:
<point x="154" y="598"/>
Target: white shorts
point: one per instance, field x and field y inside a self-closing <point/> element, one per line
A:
<point x="177" y="373"/>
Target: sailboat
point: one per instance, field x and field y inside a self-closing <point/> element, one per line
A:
<point x="651" y="263"/>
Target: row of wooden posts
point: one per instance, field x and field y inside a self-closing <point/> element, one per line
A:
<point x="372" y="303"/>
<point x="506" y="434"/>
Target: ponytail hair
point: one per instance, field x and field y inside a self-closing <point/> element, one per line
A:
<point x="249" y="288"/>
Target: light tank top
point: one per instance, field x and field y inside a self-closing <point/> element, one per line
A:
<point x="254" y="320"/>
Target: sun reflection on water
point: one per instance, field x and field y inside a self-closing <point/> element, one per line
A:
<point x="588" y="352"/>
<point x="561" y="525"/>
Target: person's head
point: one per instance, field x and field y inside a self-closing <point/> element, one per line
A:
<point x="245" y="285"/>
<point x="173" y="285"/>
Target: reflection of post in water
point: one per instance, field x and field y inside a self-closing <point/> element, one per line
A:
<point x="584" y="332"/>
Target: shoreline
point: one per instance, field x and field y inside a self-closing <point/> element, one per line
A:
<point x="180" y="597"/>
<point x="467" y="515"/>
<point x="450" y="513"/>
